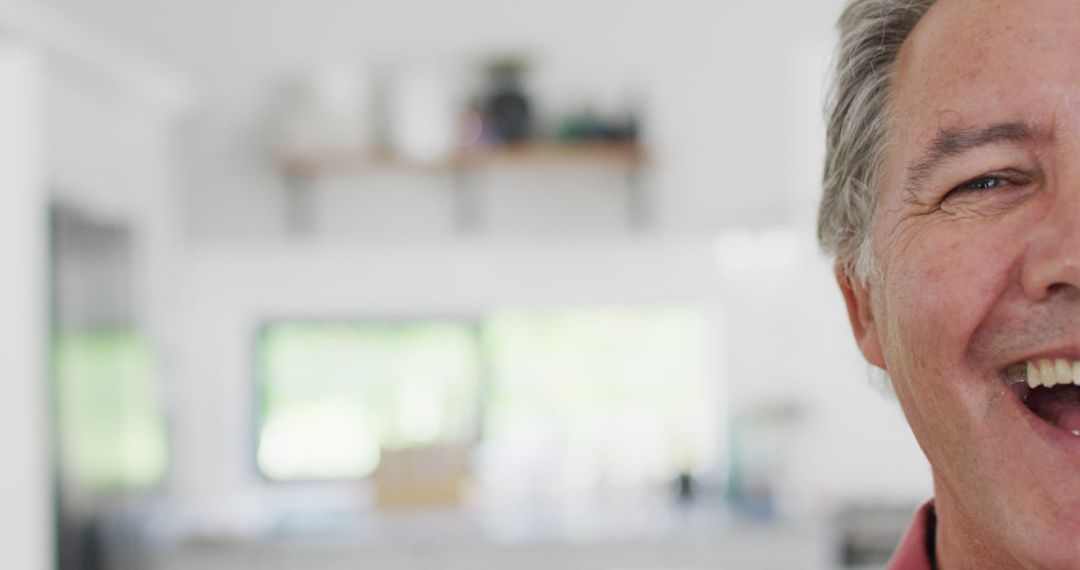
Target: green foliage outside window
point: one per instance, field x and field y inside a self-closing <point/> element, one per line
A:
<point x="111" y="428"/>
<point x="333" y="395"/>
<point x="627" y="388"/>
<point x="624" y="389"/>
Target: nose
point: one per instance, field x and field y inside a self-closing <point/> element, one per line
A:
<point x="1052" y="261"/>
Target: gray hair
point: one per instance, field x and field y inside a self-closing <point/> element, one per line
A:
<point x="857" y="116"/>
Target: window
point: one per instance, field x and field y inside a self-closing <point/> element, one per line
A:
<point x="332" y="395"/>
<point x="112" y="432"/>
<point x="600" y="395"/>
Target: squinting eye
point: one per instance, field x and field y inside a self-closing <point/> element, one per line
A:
<point x="984" y="183"/>
<point x="989" y="183"/>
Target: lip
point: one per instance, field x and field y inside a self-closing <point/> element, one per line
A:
<point x="1072" y="352"/>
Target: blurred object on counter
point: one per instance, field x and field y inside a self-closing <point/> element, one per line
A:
<point x="760" y="471"/>
<point x="424" y="476"/>
<point x="685" y="488"/>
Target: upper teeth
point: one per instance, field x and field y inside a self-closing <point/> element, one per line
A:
<point x="1046" y="372"/>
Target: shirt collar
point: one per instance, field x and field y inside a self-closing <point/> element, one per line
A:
<point x="916" y="549"/>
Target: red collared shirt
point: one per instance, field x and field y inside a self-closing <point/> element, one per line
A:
<point x="915" y="551"/>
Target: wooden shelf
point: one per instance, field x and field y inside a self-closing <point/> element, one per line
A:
<point x="628" y="154"/>
<point x="300" y="170"/>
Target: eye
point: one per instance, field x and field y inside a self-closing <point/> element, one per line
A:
<point x="984" y="183"/>
<point x="989" y="182"/>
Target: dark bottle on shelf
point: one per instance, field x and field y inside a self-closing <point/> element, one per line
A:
<point x="508" y="116"/>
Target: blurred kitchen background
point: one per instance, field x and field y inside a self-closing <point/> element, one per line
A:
<point x="474" y="284"/>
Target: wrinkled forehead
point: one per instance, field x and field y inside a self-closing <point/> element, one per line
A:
<point x="973" y="62"/>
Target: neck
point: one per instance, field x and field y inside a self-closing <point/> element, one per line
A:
<point x="961" y="543"/>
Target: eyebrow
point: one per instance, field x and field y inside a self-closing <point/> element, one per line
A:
<point x="950" y="143"/>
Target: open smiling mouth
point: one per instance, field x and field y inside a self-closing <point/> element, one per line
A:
<point x="1050" y="389"/>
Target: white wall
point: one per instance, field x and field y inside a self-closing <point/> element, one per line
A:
<point x="25" y="480"/>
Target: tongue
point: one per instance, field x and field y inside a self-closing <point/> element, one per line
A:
<point x="1059" y="405"/>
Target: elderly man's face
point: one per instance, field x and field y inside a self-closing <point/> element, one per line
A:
<point x="977" y="240"/>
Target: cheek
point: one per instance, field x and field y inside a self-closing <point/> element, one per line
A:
<point x="940" y="287"/>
